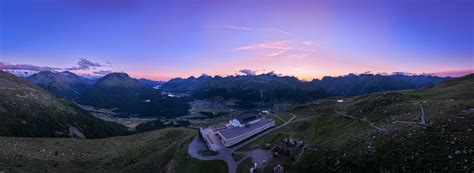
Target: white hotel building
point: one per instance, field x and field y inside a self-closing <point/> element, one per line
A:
<point x="237" y="130"/>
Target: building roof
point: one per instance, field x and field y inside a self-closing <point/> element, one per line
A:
<point x="247" y="117"/>
<point x="237" y="131"/>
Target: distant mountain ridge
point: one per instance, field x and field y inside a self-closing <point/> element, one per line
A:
<point x="27" y="110"/>
<point x="353" y="85"/>
<point x="151" y="83"/>
<point x="252" y="86"/>
<point x="120" y="91"/>
<point x="63" y="84"/>
<point x="265" y="88"/>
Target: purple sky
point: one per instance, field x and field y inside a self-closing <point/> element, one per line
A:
<point x="307" y="39"/>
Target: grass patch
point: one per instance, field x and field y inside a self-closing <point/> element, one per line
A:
<point x="274" y="136"/>
<point x="237" y="156"/>
<point x="185" y="164"/>
<point x="284" y="116"/>
<point x="283" y="161"/>
<point x="245" y="165"/>
<point x="135" y="153"/>
<point x="278" y="122"/>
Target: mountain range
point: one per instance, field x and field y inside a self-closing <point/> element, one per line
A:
<point x="353" y="85"/>
<point x="122" y="93"/>
<point x="264" y="88"/>
<point x="273" y="88"/>
<point x="141" y="97"/>
<point x="65" y="84"/>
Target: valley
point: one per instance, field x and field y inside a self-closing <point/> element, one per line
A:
<point x="109" y="115"/>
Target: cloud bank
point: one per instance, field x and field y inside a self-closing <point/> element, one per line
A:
<point x="248" y="72"/>
<point x="8" y="66"/>
<point x="85" y="64"/>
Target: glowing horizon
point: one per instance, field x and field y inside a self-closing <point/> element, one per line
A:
<point x="163" y="40"/>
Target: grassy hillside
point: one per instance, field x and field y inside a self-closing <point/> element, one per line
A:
<point x="161" y="150"/>
<point x="384" y="132"/>
<point x="29" y="111"/>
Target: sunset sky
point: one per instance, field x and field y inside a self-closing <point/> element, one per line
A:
<point x="307" y="39"/>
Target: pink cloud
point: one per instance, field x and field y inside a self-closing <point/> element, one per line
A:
<point x="279" y="47"/>
<point x="283" y="44"/>
<point x="454" y="73"/>
<point x="237" y="27"/>
<point x="310" y="43"/>
<point x="279" y="31"/>
<point x="233" y="27"/>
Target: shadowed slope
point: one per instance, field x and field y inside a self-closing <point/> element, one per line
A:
<point x="27" y="110"/>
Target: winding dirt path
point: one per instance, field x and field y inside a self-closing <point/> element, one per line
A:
<point x="421" y="118"/>
<point x="422" y="115"/>
<point x="363" y="120"/>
